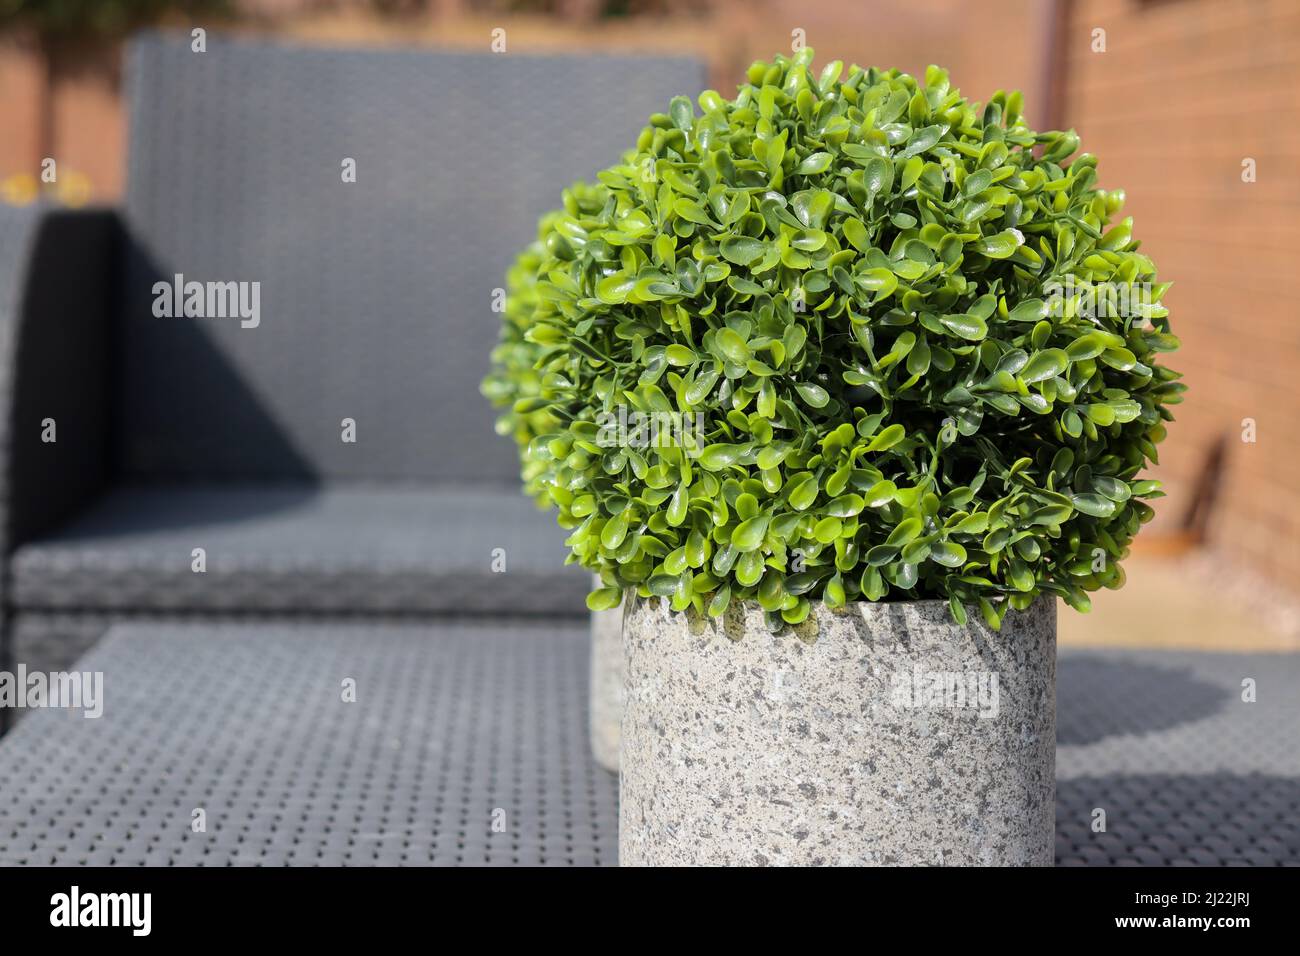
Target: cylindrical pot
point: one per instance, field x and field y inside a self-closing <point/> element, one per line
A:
<point x="878" y="734"/>
<point x="606" y="712"/>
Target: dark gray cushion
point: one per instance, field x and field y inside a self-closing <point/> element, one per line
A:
<point x="376" y="296"/>
<point x="303" y="549"/>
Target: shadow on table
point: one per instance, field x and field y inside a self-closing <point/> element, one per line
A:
<point x="1098" y="698"/>
<point x="1179" y="819"/>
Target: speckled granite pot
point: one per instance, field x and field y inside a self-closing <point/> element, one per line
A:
<point x="606" y="685"/>
<point x="832" y="743"/>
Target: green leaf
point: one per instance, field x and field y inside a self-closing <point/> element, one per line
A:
<point x="1071" y="423"/>
<point x="835" y="592"/>
<point x="990" y="614"/>
<point x="969" y="327"/>
<point x="663" y="585"/>
<point x="682" y="112"/>
<point x="743" y="286"/>
<point x="813" y="394"/>
<point x="742" y="250"/>
<point x="1046" y="364"/>
<point x="845" y="506"/>
<point x="828" y="529"/>
<point x="732" y="345"/>
<point x="922" y="140"/>
<point x="1112" y="488"/>
<point x="977" y="182"/>
<point x="1019" y="576"/>
<point x="1030" y="310"/>
<point x="906" y="530"/>
<point x="815" y="163"/>
<point x="1086" y="347"/>
<point x="1102" y="415"/>
<point x="803" y="493"/>
<point x="749" y="534"/>
<point x="880" y="494"/>
<point x="615" y="530"/>
<point x="880" y="281"/>
<point x="877" y="175"/>
<point x="721" y="600"/>
<point x="856" y="234"/>
<point x="604" y="599"/>
<point x="720" y="456"/>
<point x="1001" y="245"/>
<point x="812" y="206"/>
<point x="676" y="513"/>
<point x="957" y="610"/>
<point x="614" y="289"/>
<point x="680" y="355"/>
<point x="1094" y="504"/>
<point x="948" y="553"/>
<point x="692" y="211"/>
<point x="972" y="524"/>
<point x="887" y="438"/>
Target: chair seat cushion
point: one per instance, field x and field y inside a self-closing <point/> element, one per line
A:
<point x="369" y="549"/>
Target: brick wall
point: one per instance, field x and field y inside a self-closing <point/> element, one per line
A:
<point x="20" y="80"/>
<point x="1184" y="92"/>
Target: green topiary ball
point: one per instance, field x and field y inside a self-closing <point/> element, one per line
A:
<point x="841" y="338"/>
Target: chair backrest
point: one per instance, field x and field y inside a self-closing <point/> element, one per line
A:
<point x="374" y="297"/>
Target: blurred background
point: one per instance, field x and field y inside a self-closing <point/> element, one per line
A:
<point x="1193" y="107"/>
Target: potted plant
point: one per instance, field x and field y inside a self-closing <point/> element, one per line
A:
<point x="900" y="369"/>
<point x="513" y="384"/>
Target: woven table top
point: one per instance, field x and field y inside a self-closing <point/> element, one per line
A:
<point x="466" y="744"/>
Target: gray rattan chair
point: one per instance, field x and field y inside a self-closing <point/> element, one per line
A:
<point x="375" y="306"/>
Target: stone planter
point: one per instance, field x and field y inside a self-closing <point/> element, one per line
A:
<point x="741" y="747"/>
<point x="606" y="685"/>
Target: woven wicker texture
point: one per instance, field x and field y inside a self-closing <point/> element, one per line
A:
<point x="379" y="549"/>
<point x="376" y="295"/>
<point x="54" y="640"/>
<point x="251" y="726"/>
<point x="1186" y="771"/>
<point x="456" y="721"/>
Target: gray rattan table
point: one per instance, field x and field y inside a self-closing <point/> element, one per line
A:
<point x="466" y="744"/>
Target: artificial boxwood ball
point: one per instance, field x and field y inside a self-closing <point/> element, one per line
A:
<point x="842" y="338"/>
